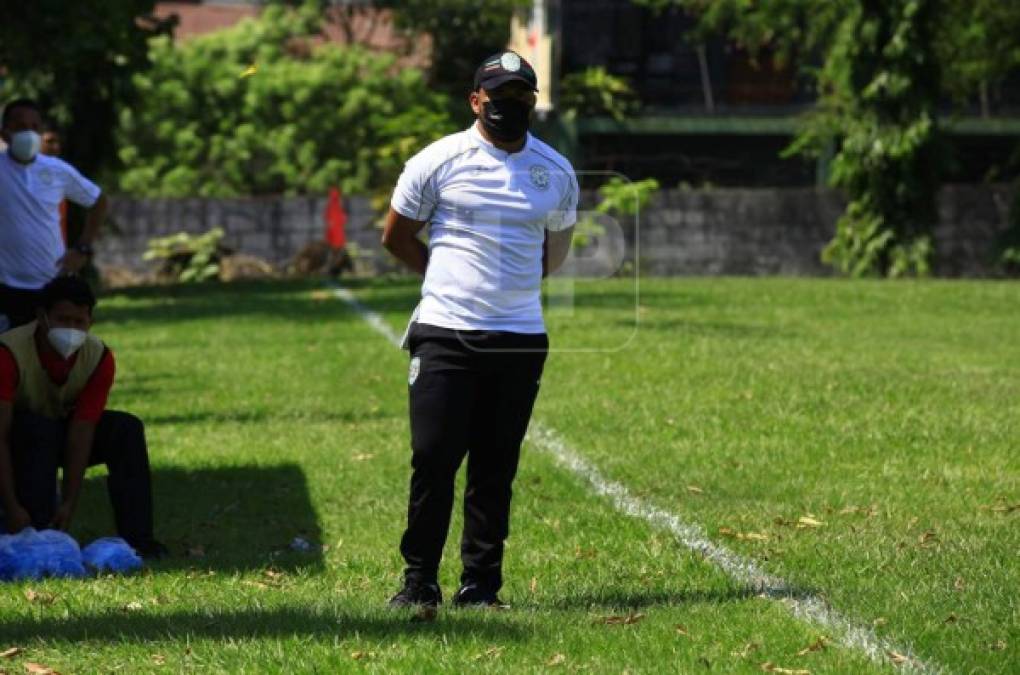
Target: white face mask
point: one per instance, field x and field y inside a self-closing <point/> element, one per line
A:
<point x="66" y="340"/>
<point x="25" y="145"/>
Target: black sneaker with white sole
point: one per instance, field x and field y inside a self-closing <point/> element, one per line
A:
<point x="477" y="595"/>
<point x="417" y="595"/>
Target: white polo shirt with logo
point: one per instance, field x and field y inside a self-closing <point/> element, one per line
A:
<point x="487" y="212"/>
<point x="30" y="196"/>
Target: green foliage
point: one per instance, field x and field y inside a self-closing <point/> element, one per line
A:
<point x="881" y="83"/>
<point x="594" y="91"/>
<point x="188" y="258"/>
<point x="262" y="108"/>
<point x="619" y="198"/>
<point x="463" y="33"/>
<point x="978" y="44"/>
<point x="78" y="60"/>
<point x="879" y="87"/>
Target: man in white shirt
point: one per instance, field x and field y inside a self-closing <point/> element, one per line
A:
<point x="32" y="186"/>
<point x="500" y="205"/>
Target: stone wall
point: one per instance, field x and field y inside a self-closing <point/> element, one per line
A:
<point x="783" y="231"/>
<point x="683" y="232"/>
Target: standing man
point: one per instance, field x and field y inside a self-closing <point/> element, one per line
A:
<point x="501" y="206"/>
<point x="32" y="187"/>
<point x="55" y="378"/>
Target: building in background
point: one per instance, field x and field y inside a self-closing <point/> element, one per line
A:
<point x="710" y="114"/>
<point x="350" y="22"/>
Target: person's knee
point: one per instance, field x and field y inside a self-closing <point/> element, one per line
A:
<point x="129" y="428"/>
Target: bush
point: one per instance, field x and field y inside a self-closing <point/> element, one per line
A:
<point x="261" y="108"/>
<point x="594" y="91"/>
<point x="188" y="258"/>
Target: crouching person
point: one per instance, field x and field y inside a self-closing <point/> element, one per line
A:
<point x="55" y="378"/>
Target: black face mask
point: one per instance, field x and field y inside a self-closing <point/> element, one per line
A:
<point x="506" y="119"/>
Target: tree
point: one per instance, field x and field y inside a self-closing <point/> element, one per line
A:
<point x="265" y="107"/>
<point x="78" y="59"/>
<point x="885" y="67"/>
<point x="463" y="33"/>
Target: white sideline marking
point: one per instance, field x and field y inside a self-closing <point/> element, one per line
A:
<point x="805" y="607"/>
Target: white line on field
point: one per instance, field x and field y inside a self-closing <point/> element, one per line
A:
<point x="803" y="606"/>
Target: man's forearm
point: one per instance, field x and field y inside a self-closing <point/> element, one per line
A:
<point x="76" y="458"/>
<point x="93" y="220"/>
<point x="412" y="252"/>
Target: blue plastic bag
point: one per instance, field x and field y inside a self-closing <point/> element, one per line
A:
<point x="111" y="554"/>
<point x="33" y="555"/>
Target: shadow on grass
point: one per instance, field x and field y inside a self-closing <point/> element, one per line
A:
<point x="713" y="329"/>
<point x="247" y="416"/>
<point x="223" y="519"/>
<point x="118" y="626"/>
<point x="311" y="300"/>
<point x="623" y="599"/>
<point x="298" y="301"/>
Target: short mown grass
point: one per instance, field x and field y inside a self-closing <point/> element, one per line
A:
<point x="856" y="438"/>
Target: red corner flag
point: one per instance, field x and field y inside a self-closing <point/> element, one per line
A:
<point x="335" y="218"/>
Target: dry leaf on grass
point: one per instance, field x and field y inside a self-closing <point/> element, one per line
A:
<point x="816" y="646"/>
<point x="8" y="653"/>
<point x="158" y="659"/>
<point x="746" y="651"/>
<point x="39" y="596"/>
<point x="491" y="653"/>
<point x="588" y="553"/>
<point x="808" y="521"/>
<point x="743" y="536"/>
<point x="39" y="669"/>
<point x="1001" y="506"/>
<point x="625" y="620"/>
<point x="533" y="586"/>
<point x="682" y="630"/>
<point x="556" y="660"/>
<point x="770" y="667"/>
<point x="959" y="584"/>
<point x="695" y="490"/>
<point x="897" y="658"/>
<point x="928" y="538"/>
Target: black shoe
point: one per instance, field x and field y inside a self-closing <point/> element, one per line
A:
<point x="477" y="595"/>
<point x="149" y="548"/>
<point x="417" y="595"/>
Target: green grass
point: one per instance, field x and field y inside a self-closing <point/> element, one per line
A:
<point x="886" y="411"/>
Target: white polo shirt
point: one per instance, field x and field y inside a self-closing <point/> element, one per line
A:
<point x="487" y="212"/>
<point x="30" y="196"/>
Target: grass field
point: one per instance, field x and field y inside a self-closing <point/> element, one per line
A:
<point x="857" y="439"/>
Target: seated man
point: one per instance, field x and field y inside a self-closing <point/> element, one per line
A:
<point x="55" y="378"/>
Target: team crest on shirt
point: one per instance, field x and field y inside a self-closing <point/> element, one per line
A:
<point x="539" y="176"/>
<point x="412" y="372"/>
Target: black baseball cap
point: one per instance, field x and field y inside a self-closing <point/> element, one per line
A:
<point x="503" y="67"/>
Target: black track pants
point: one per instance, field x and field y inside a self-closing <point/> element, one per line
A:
<point x="471" y="393"/>
<point x="37" y="449"/>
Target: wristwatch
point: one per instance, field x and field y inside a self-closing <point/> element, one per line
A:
<point x="83" y="248"/>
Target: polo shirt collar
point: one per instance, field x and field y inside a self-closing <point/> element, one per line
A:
<point x="487" y="145"/>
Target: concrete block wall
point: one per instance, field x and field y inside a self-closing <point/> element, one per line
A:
<point x="682" y="232"/>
